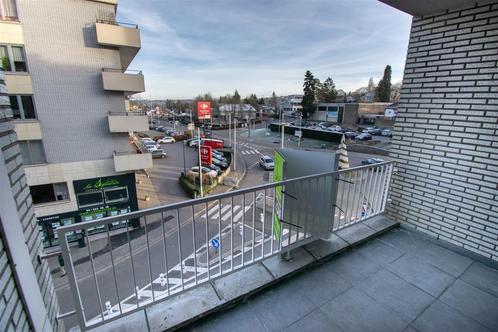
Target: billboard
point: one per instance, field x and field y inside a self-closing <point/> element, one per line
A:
<point x="204" y="110"/>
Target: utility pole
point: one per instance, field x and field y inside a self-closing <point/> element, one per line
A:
<point x="235" y="145"/>
<point x="230" y="129"/>
<point x="200" y="164"/>
<point x="300" y="131"/>
<point x="282" y="143"/>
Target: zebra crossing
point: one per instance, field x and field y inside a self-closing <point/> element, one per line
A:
<point x="184" y="274"/>
<point x="248" y="149"/>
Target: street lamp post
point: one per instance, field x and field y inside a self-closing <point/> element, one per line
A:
<point x="300" y="130"/>
<point x="184" y="166"/>
<point x="200" y="164"/>
<point x="283" y="127"/>
<point x="235" y="145"/>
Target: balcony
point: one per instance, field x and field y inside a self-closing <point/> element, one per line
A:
<point x="122" y="35"/>
<point x="130" y="161"/>
<point x="126" y="122"/>
<point x="28" y="130"/>
<point x="18" y="84"/>
<point x="129" y="82"/>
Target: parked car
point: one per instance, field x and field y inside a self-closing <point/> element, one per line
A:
<point x="205" y="170"/>
<point x="350" y="134"/>
<point x="193" y="143"/>
<point x="215" y="168"/>
<point x="266" y="162"/>
<point x="166" y="139"/>
<point x="363" y="137"/>
<point x="375" y="131"/>
<point x="158" y="153"/>
<point x="220" y="163"/>
<point x="219" y="155"/>
<point x="147" y="139"/>
<point x="371" y="161"/>
<point x="151" y="148"/>
<point x="387" y="132"/>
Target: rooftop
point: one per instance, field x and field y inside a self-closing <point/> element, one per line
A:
<point x="400" y="281"/>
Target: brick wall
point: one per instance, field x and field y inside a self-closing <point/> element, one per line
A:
<point x="445" y="137"/>
<point x="12" y="313"/>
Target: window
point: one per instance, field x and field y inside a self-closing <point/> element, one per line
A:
<point x="8" y="11"/>
<point x="116" y="195"/>
<point x="13" y="58"/>
<point x="90" y="199"/>
<point x="23" y="107"/>
<point x="47" y="193"/>
<point x="32" y="152"/>
<point x="4" y="56"/>
<point x="322" y="108"/>
<point x="18" y="58"/>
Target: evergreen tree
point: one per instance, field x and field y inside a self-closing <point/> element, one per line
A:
<point x="383" y="92"/>
<point x="236" y="97"/>
<point x="273" y="100"/>
<point x="371" y="85"/>
<point x="309" y="88"/>
<point x="326" y="92"/>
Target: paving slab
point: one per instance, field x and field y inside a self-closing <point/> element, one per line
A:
<point x="130" y="323"/>
<point x="483" y="277"/>
<point x="242" y="282"/>
<point x="281" y="306"/>
<point x="404" y="240"/>
<point x="356" y="234"/>
<point x="353" y="267"/>
<point x="441" y="317"/>
<point x="326" y="247"/>
<point x="421" y="274"/>
<point x="448" y="261"/>
<point x="473" y="302"/>
<point x="380" y="252"/>
<point x="279" y="267"/>
<point x="182" y="308"/>
<point x="355" y="311"/>
<point x="395" y="293"/>
<point x="316" y="321"/>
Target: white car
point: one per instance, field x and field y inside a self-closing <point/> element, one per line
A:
<point x="166" y="139"/>
<point x="205" y="170"/>
<point x="387" y="132"/>
<point x="266" y="162"/>
<point x="151" y="148"/>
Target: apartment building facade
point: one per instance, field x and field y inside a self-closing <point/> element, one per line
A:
<point x="66" y="71"/>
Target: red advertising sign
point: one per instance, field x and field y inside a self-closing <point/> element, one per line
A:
<point x="206" y="155"/>
<point x="204" y="109"/>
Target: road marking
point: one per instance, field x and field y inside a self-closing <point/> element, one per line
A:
<point x="235" y="209"/>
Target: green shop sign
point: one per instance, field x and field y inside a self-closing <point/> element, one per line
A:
<point x="278" y="175"/>
<point x="101" y="183"/>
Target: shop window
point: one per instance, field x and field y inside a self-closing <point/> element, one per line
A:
<point x="116" y="195"/>
<point x="90" y="199"/>
<point x="32" y="152"/>
<point x="322" y="108"/>
<point x="47" y="193"/>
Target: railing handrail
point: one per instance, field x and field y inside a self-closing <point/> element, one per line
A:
<point x="122" y="71"/>
<point x="198" y="201"/>
<point x="127" y="113"/>
<point x="114" y="22"/>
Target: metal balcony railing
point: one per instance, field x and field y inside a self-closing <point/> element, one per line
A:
<point x="114" y="22"/>
<point x="122" y="71"/>
<point x="182" y="245"/>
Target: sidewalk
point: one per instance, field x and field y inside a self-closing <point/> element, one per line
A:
<point x="145" y="188"/>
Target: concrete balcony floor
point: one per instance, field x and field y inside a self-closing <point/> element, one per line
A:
<point x="400" y="281"/>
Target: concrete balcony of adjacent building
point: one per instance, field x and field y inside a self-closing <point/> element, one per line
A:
<point x="129" y="82"/>
<point x="124" y="36"/>
<point x="131" y="161"/>
<point x="18" y="83"/>
<point x="28" y="130"/>
<point x="126" y="122"/>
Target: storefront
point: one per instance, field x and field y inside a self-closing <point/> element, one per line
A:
<point x="96" y="198"/>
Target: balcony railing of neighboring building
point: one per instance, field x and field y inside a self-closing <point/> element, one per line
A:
<point x="117" y="70"/>
<point x="183" y="245"/>
<point x="114" y="22"/>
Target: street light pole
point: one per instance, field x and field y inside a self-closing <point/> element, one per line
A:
<point x="300" y="131"/>
<point x="235" y="145"/>
<point x="184" y="166"/>
<point x="282" y="143"/>
<point x="200" y="164"/>
<point x="230" y="129"/>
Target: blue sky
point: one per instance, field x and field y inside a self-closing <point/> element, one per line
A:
<point x="191" y="47"/>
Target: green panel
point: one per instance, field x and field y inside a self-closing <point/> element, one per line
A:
<point x="278" y="175"/>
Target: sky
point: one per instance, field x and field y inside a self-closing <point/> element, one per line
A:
<point x="192" y="47"/>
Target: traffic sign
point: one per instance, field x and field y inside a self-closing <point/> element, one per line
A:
<point x="204" y="109"/>
<point x="206" y="155"/>
<point x="215" y="243"/>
